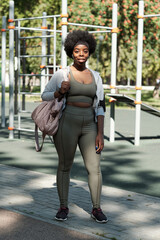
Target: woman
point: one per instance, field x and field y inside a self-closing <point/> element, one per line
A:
<point x="82" y="120"/>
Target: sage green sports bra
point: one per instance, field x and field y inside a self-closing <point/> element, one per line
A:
<point x="80" y="92"/>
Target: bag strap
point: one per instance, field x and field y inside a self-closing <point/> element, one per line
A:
<point x="38" y="148"/>
<point x="66" y="72"/>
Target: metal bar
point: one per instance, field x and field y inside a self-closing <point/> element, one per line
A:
<point x="30" y="75"/>
<point x="100" y="31"/>
<point x="37" y="29"/>
<point x="88" y="25"/>
<point x="3" y="72"/>
<point x="24" y="71"/>
<point x="32" y="18"/>
<point x="48" y="46"/>
<point x="139" y="72"/>
<point x="16" y="72"/>
<point x="51" y="66"/>
<point x="24" y="111"/>
<point x="33" y="37"/>
<point x="36" y="56"/>
<point x="19" y="78"/>
<point x="64" y="34"/>
<point x="54" y="45"/>
<point x="24" y="129"/>
<point x="11" y="72"/>
<point x="30" y="93"/>
<point x="151" y="15"/>
<point x="43" y="61"/>
<point x="113" y="71"/>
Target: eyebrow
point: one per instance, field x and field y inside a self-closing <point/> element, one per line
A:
<point x="84" y="48"/>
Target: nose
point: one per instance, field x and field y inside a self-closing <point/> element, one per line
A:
<point x="81" y="53"/>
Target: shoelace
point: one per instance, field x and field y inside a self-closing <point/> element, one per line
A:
<point x="98" y="211"/>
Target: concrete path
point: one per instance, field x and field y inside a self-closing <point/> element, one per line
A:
<point x="15" y="226"/>
<point x="132" y="216"/>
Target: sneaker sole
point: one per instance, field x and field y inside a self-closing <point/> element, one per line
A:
<point x="61" y="219"/>
<point x="104" y="221"/>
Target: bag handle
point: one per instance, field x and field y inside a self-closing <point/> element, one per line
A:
<point x="38" y="148"/>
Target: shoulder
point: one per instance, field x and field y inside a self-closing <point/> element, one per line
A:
<point x="94" y="72"/>
<point x="63" y="71"/>
<point x="96" y="75"/>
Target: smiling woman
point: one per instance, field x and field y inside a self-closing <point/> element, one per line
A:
<point x="82" y="121"/>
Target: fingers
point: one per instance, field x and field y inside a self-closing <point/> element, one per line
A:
<point x="99" y="144"/>
<point x="65" y="86"/>
<point x="99" y="148"/>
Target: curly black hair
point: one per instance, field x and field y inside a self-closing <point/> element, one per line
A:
<point x="79" y="35"/>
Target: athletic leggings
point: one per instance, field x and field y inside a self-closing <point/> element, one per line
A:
<point x="77" y="127"/>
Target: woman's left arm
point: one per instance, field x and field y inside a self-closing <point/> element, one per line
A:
<point x="100" y="134"/>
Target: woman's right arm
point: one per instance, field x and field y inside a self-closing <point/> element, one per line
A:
<point x="51" y="90"/>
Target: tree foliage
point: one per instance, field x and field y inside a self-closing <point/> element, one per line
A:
<point x="99" y="12"/>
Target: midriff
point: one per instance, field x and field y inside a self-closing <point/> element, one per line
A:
<point x="79" y="104"/>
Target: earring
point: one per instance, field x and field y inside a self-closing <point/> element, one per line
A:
<point x="72" y="56"/>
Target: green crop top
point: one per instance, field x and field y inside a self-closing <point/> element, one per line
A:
<point x="80" y="92"/>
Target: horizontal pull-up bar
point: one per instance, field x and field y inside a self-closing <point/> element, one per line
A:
<point x="151" y="15"/>
<point x="37" y="75"/>
<point x="36" y="56"/>
<point x="32" y="18"/>
<point x="105" y="31"/>
<point x="87" y="25"/>
<point x="32" y="37"/>
<point x="36" y="29"/>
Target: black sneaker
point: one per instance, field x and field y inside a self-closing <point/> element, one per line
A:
<point x="98" y="215"/>
<point x="62" y="214"/>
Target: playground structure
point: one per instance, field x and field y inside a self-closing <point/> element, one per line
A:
<point x="137" y="103"/>
<point x="17" y="28"/>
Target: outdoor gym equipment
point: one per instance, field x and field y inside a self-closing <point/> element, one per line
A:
<point x="137" y="103"/>
<point x="64" y="24"/>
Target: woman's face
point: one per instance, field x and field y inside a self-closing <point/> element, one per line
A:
<point x="80" y="54"/>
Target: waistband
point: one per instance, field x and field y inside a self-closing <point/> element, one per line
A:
<point x="79" y="110"/>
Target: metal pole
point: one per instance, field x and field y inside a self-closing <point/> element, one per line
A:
<point x="54" y="59"/>
<point x="24" y="71"/>
<point x="139" y="73"/>
<point x="11" y="71"/>
<point x="48" y="45"/>
<point x="113" y="71"/>
<point x="44" y="24"/>
<point x="16" y="70"/>
<point x="64" y="33"/>
<point x="19" y="77"/>
<point x="3" y="70"/>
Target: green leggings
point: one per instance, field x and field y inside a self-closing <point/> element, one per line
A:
<point x="77" y="127"/>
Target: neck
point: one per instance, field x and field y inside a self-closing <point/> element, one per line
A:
<point x="79" y="67"/>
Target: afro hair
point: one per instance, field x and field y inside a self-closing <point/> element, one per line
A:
<point x="78" y="35"/>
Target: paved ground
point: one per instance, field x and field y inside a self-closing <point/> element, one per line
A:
<point x="124" y="165"/>
<point x="28" y="196"/>
<point x="22" y="227"/>
<point x="131" y="216"/>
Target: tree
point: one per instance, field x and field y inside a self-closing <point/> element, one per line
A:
<point x="100" y="13"/>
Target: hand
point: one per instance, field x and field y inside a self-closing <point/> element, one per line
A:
<point x="65" y="86"/>
<point x="99" y="143"/>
